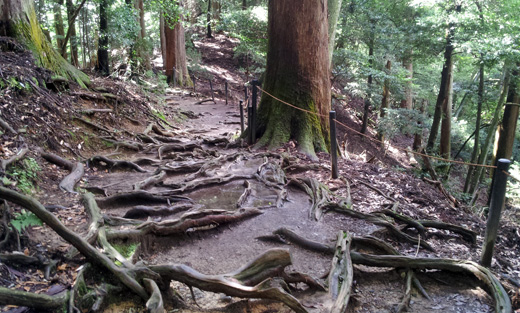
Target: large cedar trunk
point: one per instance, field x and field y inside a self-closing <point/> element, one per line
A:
<point x="175" y="49"/>
<point x="297" y="72"/>
<point x="18" y="19"/>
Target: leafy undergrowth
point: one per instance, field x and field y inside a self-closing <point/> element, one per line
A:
<point x="111" y="119"/>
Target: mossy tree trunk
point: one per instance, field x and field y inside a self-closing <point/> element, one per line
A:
<point x="507" y="129"/>
<point x="298" y="73"/>
<point x="18" y="20"/>
<point x="175" y="52"/>
<point x="73" y="37"/>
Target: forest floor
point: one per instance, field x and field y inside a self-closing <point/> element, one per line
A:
<point x="193" y="194"/>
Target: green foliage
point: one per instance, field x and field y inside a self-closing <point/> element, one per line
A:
<point x="402" y="121"/>
<point x="26" y="175"/>
<point x="250" y="27"/>
<point x="25" y="219"/>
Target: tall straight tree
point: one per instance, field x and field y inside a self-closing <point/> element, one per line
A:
<point x="175" y="51"/>
<point x="102" y="63"/>
<point x="18" y="19"/>
<point x="444" y="98"/>
<point x="297" y="72"/>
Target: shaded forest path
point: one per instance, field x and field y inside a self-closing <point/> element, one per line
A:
<point x="175" y="188"/>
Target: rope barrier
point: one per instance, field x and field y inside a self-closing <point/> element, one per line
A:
<point x="509" y="174"/>
<point x="376" y="140"/>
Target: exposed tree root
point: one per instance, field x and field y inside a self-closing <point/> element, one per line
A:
<point x="199" y="183"/>
<point x="177" y="147"/>
<point x="40" y="302"/>
<point x="7" y="127"/>
<point x="405" y="303"/>
<point x="150" y="181"/>
<point x="96" y="221"/>
<point x="191" y="221"/>
<point x="82" y="245"/>
<point x="318" y="193"/>
<point x="139" y="197"/>
<point x="94" y="125"/>
<point x="469" y="235"/>
<point x="376" y="190"/>
<point x="341" y="275"/>
<point x="131" y="145"/>
<point x="142" y="211"/>
<point x="236" y="284"/>
<point x="183" y="167"/>
<point x="77" y="171"/>
<point x="115" y="164"/>
<point x="155" y="303"/>
<point x="243" y="197"/>
<point x="15" y="158"/>
<point x="502" y="302"/>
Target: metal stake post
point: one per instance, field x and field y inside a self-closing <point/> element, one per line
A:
<point x="226" y="87"/>
<point x="498" y="195"/>
<point x="211" y="87"/>
<point x="254" y="83"/>
<point x="333" y="145"/>
<point x="241" y="115"/>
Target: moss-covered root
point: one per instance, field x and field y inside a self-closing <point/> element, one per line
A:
<point x="29" y="32"/>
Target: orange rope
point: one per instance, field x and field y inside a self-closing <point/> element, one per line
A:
<point x="378" y="141"/>
<point x="508" y="174"/>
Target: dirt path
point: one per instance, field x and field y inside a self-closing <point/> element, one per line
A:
<point x="192" y="196"/>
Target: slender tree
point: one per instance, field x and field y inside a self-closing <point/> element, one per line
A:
<point x="334" y="11"/>
<point x="102" y="62"/>
<point x="297" y="72"/>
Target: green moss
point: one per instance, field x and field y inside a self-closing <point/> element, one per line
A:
<point x="278" y="123"/>
<point x="29" y="32"/>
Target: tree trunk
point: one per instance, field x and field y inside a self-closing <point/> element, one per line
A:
<point x="384" y="102"/>
<point x="476" y="144"/>
<point x="244" y="4"/>
<point x="162" y="38"/>
<point x="143" y="54"/>
<point x="297" y="72"/>
<point x="445" y="143"/>
<point x="417" y="140"/>
<point x="507" y="129"/>
<point x="366" y="110"/>
<point x="175" y="46"/>
<point x="73" y="38"/>
<point x="334" y="10"/>
<point x="407" y="102"/>
<point x="209" y="35"/>
<point x="102" y="62"/>
<point x="58" y="26"/>
<point x="482" y="159"/>
<point x="444" y="97"/>
<point x="18" y="19"/>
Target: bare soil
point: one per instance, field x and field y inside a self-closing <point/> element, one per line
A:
<point x="218" y="249"/>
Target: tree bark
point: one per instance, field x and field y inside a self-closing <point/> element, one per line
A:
<point x="298" y="73"/>
<point x="366" y="109"/>
<point x="384" y="102"/>
<point x="18" y="19"/>
<point x="175" y="49"/>
<point x="407" y="102"/>
<point x="476" y="143"/>
<point x="58" y="26"/>
<point x="102" y="63"/>
<point x="209" y="35"/>
<point x="507" y="129"/>
<point x="334" y="10"/>
<point x="443" y="104"/>
<point x="417" y="141"/>
<point x="71" y="17"/>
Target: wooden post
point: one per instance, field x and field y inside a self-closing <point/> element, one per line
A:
<point x="194" y="83"/>
<point x="226" y="88"/>
<point x="254" y="97"/>
<point x="245" y="93"/>
<point x="241" y="115"/>
<point x="249" y="127"/>
<point x="498" y="194"/>
<point x="211" y="87"/>
<point x="333" y="145"/>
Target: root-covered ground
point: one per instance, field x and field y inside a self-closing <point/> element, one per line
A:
<point x="158" y="207"/>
